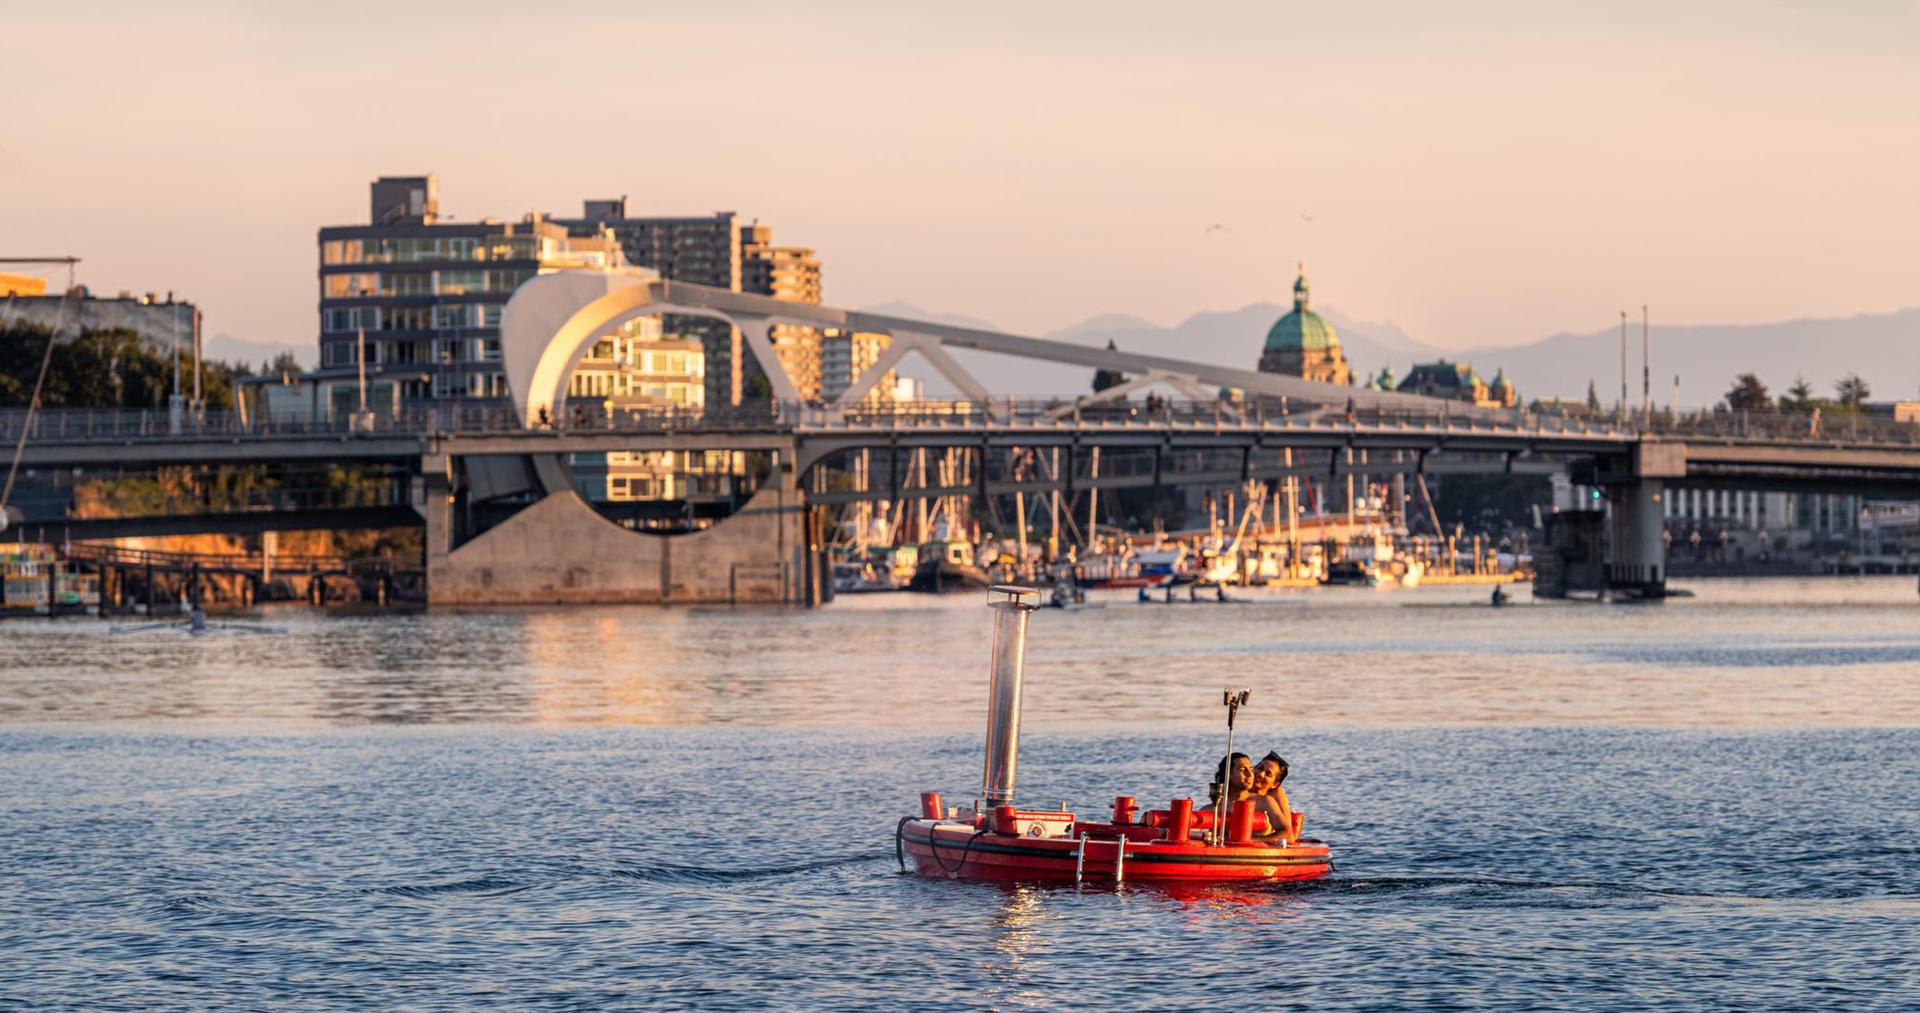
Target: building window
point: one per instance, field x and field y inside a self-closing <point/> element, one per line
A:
<point x="461" y="282"/>
<point x="409" y="318"/>
<point x="511" y="248"/>
<point x="451" y="317"/>
<point x="347" y="286"/>
<point x="399" y="353"/>
<point x="413" y="251"/>
<point x="412" y="282"/>
<point x="346" y="320"/>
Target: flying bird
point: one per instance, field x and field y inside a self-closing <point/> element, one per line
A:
<point x="1215" y="227"/>
<point x="1307" y="218"/>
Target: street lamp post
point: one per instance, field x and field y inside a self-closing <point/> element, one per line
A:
<point x="1623" y="367"/>
<point x="176" y="404"/>
<point x="1646" y="372"/>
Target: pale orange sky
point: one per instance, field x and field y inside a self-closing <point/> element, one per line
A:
<point x="1479" y="174"/>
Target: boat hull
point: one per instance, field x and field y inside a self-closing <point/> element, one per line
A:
<point x="943" y="577"/>
<point x="947" y="850"/>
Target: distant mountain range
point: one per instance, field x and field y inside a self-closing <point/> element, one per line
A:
<point x="1706" y="357"/>
<point x="254" y="354"/>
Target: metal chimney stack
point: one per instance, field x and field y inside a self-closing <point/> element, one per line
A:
<point x="1011" y="606"/>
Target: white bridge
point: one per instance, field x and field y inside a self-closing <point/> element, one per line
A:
<point x="504" y="522"/>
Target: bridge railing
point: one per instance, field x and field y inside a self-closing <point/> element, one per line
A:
<point x="1178" y="414"/>
<point x="68" y="425"/>
<point x="1848" y="429"/>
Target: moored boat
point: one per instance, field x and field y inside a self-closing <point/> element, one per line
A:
<point x="947" y="566"/>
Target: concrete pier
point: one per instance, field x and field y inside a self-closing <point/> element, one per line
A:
<point x="1637" y="553"/>
<point x="559" y="550"/>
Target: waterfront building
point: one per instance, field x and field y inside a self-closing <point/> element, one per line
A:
<point x="1304" y="345"/>
<point x="641" y="367"/>
<point x="424" y="295"/>
<point x="1459" y="381"/>
<point x="845" y="355"/>
<point x="1898" y="411"/>
<point x="1770" y="521"/>
<point x="791" y="273"/>
<point x="164" y="323"/>
<point x="22" y="285"/>
<point x="702" y="249"/>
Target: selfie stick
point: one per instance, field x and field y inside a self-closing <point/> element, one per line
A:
<point x="1233" y="701"/>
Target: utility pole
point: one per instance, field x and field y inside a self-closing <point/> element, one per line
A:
<point x="1623" y="366"/>
<point x="1093" y="501"/>
<point x="1646" y="372"/>
<point x="175" y="403"/>
<point x="199" y="404"/>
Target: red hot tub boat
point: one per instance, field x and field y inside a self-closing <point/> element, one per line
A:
<point x="996" y="840"/>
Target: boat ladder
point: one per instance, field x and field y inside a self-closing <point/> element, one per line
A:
<point x="1119" y="856"/>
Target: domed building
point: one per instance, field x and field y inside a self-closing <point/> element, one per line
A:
<point x="1459" y="381"/>
<point x="1502" y="392"/>
<point x="1303" y="345"/>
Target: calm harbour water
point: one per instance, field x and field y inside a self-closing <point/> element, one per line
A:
<point x="1706" y="803"/>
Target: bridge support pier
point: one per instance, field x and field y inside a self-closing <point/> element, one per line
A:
<point x="1637" y="555"/>
<point x="559" y="550"/>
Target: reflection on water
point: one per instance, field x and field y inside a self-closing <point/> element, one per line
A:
<point x="1742" y="653"/>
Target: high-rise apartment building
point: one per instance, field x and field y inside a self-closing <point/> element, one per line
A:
<point x="704" y="250"/>
<point x="791" y="273"/>
<point x="720" y="251"/>
<point x="845" y="355"/>
<point x="424" y="295"/>
<point x="641" y="367"/>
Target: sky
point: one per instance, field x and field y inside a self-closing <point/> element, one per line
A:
<point x="1479" y="174"/>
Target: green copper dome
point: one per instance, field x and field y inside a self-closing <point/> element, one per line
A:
<point x="1302" y="329"/>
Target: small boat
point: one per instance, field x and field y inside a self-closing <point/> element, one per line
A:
<point x="947" y="566"/>
<point x="1153" y="568"/>
<point x="996" y="839"/>
<point x="34" y="581"/>
<point x="1348" y="571"/>
<point x="853" y="576"/>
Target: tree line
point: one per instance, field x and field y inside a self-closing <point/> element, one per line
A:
<point x="1749" y="394"/>
<point x="110" y="368"/>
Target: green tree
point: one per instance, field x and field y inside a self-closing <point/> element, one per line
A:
<point x="1593" y="397"/>
<point x="1799" y="397"/>
<point x="1852" y="391"/>
<point x="1748" y="394"/>
<point x="112" y="368"/>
